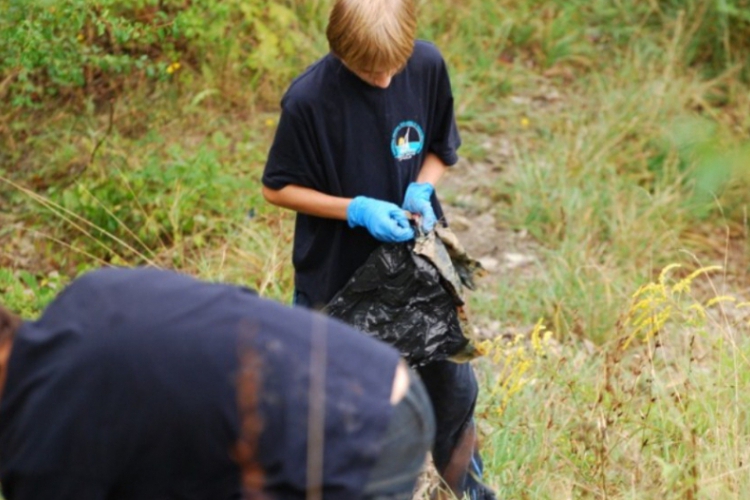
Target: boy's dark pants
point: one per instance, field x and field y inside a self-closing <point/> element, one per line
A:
<point x="453" y="389"/>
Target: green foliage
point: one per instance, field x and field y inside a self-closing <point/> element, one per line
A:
<point x="612" y="174"/>
<point x="719" y="174"/>
<point x="93" y="47"/>
<point x="174" y="197"/>
<point x="487" y="43"/>
<point x="606" y="145"/>
<point x="27" y="294"/>
<point x="257" y="43"/>
<point x="717" y="32"/>
<point x="53" y="48"/>
<point x="649" y="414"/>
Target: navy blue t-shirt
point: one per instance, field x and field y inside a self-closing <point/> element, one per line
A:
<point x="344" y="137"/>
<point x="139" y="385"/>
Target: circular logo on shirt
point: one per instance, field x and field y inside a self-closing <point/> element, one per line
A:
<point x="407" y="141"/>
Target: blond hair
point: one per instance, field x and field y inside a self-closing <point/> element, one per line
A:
<point x="372" y="35"/>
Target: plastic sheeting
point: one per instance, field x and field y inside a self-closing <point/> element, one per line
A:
<point x="410" y="295"/>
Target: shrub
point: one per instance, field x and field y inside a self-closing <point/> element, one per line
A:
<point x="134" y="213"/>
<point x="95" y="47"/>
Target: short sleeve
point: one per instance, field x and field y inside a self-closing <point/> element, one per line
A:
<point x="445" y="141"/>
<point x="293" y="157"/>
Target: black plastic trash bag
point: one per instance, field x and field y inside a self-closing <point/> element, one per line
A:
<point x="410" y="296"/>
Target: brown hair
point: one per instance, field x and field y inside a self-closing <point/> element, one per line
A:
<point x="9" y="324"/>
<point x="372" y="35"/>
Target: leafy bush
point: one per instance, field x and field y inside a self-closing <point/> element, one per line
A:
<point x="136" y="212"/>
<point x="62" y="47"/>
<point x="53" y="48"/>
<point x="95" y="47"/>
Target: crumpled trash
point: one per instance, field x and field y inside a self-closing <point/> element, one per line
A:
<point x="412" y="295"/>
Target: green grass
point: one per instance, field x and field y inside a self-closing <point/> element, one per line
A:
<point x="587" y="449"/>
<point x="665" y="417"/>
<point x="627" y="129"/>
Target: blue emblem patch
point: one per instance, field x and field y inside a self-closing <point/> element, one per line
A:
<point x="407" y="140"/>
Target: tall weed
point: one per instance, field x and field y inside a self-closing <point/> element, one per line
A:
<point x="655" y="412"/>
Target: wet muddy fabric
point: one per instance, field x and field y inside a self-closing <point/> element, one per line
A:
<point x="140" y="384"/>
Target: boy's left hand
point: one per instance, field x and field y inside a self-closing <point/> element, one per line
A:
<point x="417" y="201"/>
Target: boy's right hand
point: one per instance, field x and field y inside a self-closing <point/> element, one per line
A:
<point x="384" y="220"/>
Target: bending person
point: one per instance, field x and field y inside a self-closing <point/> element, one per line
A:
<point x="141" y="384"/>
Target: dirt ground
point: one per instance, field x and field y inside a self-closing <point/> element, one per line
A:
<point x="504" y="253"/>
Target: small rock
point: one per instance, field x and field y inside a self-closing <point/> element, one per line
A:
<point x="486" y="220"/>
<point x="514" y="260"/>
<point x="505" y="149"/>
<point x="489" y="263"/>
<point x="465" y="201"/>
<point x="517" y="99"/>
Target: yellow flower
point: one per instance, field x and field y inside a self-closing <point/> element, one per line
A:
<point x="79" y="37"/>
<point x="173" y="67"/>
<point x="525" y="122"/>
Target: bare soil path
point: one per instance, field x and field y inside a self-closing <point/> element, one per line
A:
<point x="466" y="194"/>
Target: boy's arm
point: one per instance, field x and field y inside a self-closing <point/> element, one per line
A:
<point x="432" y="170"/>
<point x="308" y="201"/>
<point x="385" y="221"/>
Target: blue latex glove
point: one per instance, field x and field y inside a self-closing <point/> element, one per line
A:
<point x="417" y="201"/>
<point x="385" y="221"/>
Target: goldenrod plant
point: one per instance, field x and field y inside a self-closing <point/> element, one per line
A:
<point x="654" y="304"/>
<point x="511" y="360"/>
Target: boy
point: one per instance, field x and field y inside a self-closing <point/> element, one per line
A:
<point x="140" y="384"/>
<point x="365" y="134"/>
